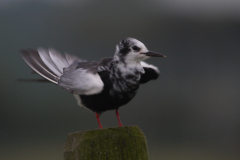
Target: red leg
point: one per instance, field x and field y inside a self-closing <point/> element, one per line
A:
<point x="119" y="121"/>
<point x="97" y="116"/>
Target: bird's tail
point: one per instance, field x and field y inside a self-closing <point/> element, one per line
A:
<point x="48" y="63"/>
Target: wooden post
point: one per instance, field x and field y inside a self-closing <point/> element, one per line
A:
<point x="119" y="143"/>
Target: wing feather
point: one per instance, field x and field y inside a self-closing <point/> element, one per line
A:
<point x="69" y="72"/>
<point x="36" y="67"/>
<point x="151" y="72"/>
<point x="58" y="59"/>
<point x="70" y="58"/>
<point x="34" y="54"/>
<point x="80" y="78"/>
<point x="48" y="61"/>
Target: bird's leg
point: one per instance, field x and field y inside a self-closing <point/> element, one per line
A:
<point x="97" y="116"/>
<point x="119" y="121"/>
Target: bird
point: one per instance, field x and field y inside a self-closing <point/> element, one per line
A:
<point x="101" y="85"/>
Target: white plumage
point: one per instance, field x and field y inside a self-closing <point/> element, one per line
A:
<point x="80" y="81"/>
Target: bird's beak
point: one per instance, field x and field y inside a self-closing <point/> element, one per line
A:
<point x="153" y="54"/>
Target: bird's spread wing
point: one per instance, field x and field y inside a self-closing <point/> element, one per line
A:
<point x="69" y="72"/>
<point x="82" y="78"/>
<point x="151" y="72"/>
<point x="34" y="60"/>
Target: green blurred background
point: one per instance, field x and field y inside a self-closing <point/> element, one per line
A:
<point x="191" y="112"/>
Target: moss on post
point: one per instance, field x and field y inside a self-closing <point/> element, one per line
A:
<point x="119" y="143"/>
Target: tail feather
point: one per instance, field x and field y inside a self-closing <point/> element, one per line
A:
<point x="33" y="80"/>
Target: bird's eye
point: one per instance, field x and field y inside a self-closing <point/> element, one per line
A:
<point x="135" y="48"/>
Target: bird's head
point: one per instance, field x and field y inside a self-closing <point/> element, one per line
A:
<point x="132" y="50"/>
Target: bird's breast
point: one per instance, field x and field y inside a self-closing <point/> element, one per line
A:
<point x="130" y="83"/>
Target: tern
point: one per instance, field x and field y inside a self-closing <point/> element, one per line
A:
<point x="97" y="85"/>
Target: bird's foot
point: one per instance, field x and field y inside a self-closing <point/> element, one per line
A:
<point x="99" y="123"/>
<point x="119" y="121"/>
